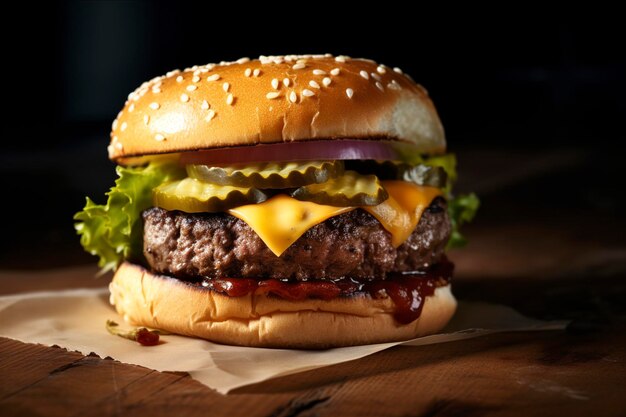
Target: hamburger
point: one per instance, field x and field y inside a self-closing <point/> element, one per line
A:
<point x="287" y="202"/>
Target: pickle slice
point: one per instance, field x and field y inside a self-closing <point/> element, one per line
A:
<point x="424" y="175"/>
<point x="350" y="189"/>
<point x="268" y="174"/>
<point x="193" y="196"/>
<point x="420" y="174"/>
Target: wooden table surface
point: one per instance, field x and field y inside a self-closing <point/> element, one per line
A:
<point x="550" y="254"/>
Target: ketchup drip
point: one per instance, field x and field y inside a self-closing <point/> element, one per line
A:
<point x="407" y="290"/>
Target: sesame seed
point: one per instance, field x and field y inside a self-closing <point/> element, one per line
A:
<point x="301" y="61"/>
<point x="156" y="90"/>
<point x="307" y="93"/>
<point x="380" y="86"/>
<point x="381" y="69"/>
<point x="155" y="106"/>
<point x="298" y="66"/>
<point x="146" y="119"/>
<point x="247" y="72"/>
<point x="364" y="74"/>
<point x="398" y="70"/>
<point x="118" y="146"/>
<point x="335" y="71"/>
<point x="124" y="126"/>
<point x="131" y="107"/>
<point x="256" y="72"/>
<point x="375" y="76"/>
<point x="114" y="125"/>
<point x="293" y="97"/>
<point x="226" y="87"/>
<point x="393" y="85"/>
<point x="205" y="105"/>
<point x="243" y="60"/>
<point x="184" y="98"/>
<point x="230" y="99"/>
<point x="319" y="72"/>
<point x="210" y="115"/>
<point x="179" y="79"/>
<point x="195" y="78"/>
<point x="349" y="92"/>
<point x="286" y="82"/>
<point x="314" y="84"/>
<point x="326" y="81"/>
<point x="159" y="137"/>
<point x="272" y="95"/>
<point x="213" y="77"/>
<point x="275" y="83"/>
<point x="340" y="58"/>
<point x="192" y="87"/>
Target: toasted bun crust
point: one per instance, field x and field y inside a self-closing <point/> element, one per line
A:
<point x="273" y="100"/>
<point x="162" y="302"/>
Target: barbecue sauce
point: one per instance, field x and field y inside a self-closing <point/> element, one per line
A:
<point x="407" y="290"/>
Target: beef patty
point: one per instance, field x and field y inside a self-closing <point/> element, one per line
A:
<point x="353" y="244"/>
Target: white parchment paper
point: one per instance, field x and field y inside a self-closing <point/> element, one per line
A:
<point x="75" y="320"/>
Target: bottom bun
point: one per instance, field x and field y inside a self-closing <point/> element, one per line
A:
<point x="162" y="302"/>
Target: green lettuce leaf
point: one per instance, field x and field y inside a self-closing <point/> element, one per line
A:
<point x="113" y="231"/>
<point x="462" y="209"/>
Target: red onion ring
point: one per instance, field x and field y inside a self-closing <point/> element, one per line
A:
<point x="295" y="151"/>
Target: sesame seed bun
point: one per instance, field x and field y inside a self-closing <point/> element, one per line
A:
<point x="162" y="302"/>
<point x="274" y="100"/>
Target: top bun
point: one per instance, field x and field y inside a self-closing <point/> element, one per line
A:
<point x="274" y="100"/>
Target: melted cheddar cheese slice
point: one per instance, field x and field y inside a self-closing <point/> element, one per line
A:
<point x="281" y="220"/>
<point x="401" y="212"/>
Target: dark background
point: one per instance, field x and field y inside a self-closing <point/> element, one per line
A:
<point x="521" y="92"/>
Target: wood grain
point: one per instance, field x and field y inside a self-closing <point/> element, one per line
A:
<point x="551" y="373"/>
